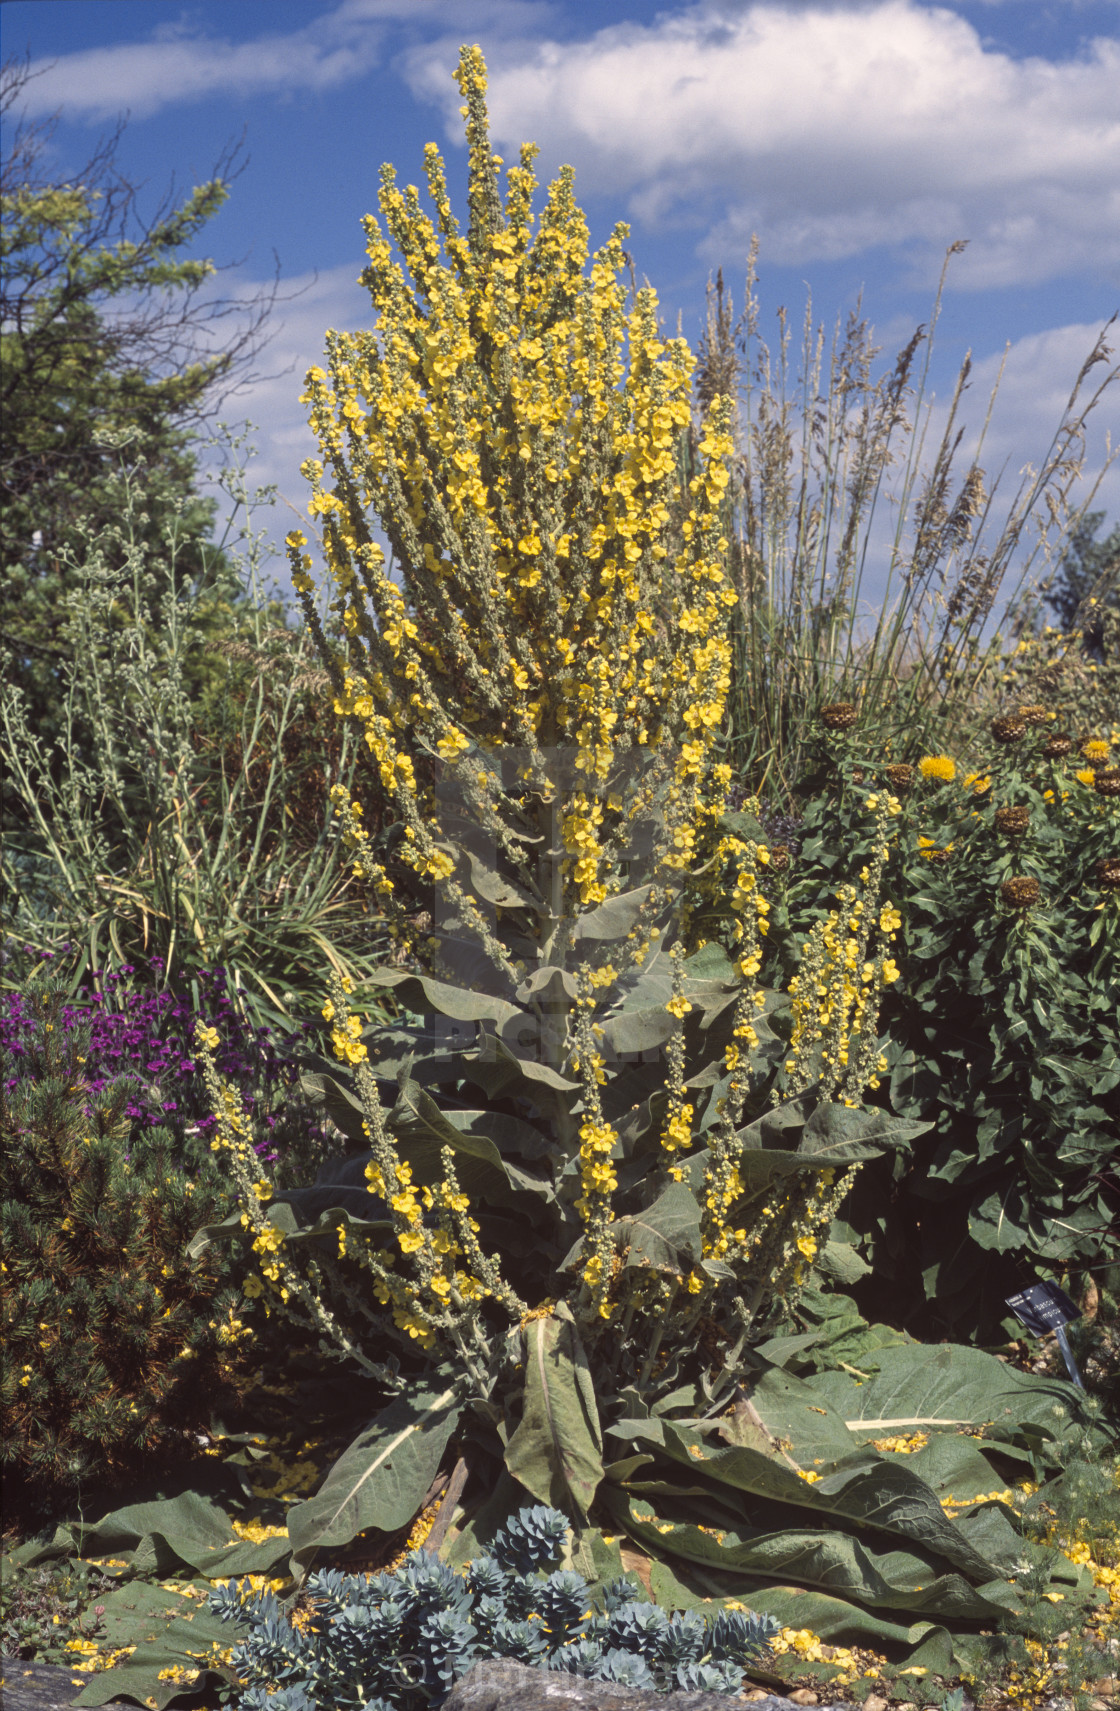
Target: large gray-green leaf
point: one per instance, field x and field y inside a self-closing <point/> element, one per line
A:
<point x="843" y="1262"/>
<point x="168" y="1629"/>
<point x="804" y="1135"/>
<point x="380" y="1481"/>
<point x="521" y="1038"/>
<point x="556" y="1451"/>
<point x="549" y="985"/>
<point x="423" y="1129"/>
<point x="629" y="1031"/>
<point x="165" y="1534"/>
<point x="614" y="918"/>
<point x="421" y="993"/>
<point x="864" y="1487"/>
<point x="837" y="1562"/>
<point x="919" y="1388"/>
<point x="834" y="1620"/>
<point x="666" y="1236"/>
<point x="492" y="887"/>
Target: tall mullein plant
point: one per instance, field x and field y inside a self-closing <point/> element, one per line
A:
<point x="515" y="430"/>
<point x="541" y="680"/>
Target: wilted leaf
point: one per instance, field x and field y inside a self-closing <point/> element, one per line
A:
<point x="556" y="1451"/>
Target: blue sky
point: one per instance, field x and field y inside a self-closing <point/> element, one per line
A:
<point x="858" y="138"/>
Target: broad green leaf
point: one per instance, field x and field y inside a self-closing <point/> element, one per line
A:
<point x="165" y="1535"/>
<point x="342" y="1106"/>
<point x="632" y="1030"/>
<point x="419" y="992"/>
<point x="528" y="1068"/>
<point x="556" y="1451"/>
<point x="865" y="1488"/>
<point x="666" y="1236"/>
<point x="138" y="1677"/>
<point x="549" y="985"/>
<point x="493" y="888"/>
<point x="798" y="1136"/>
<point x="843" y="1262"/>
<point x="710" y="962"/>
<point x="423" y="1129"/>
<point x="743" y="826"/>
<point x="833" y="1619"/>
<point x="919" y="1388"/>
<point x="997" y="1221"/>
<point x="614" y="918"/>
<point x="381" y="1479"/>
<point x="170" y="1627"/>
<point x="840" y="1563"/>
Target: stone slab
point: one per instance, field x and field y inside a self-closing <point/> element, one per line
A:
<point x="498" y="1685"/>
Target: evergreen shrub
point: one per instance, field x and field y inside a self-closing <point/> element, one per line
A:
<point x="117" y="1345"/>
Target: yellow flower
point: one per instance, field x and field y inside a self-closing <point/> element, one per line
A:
<point x="889" y="918"/>
<point x="890" y="971"/>
<point x="1095" y="749"/>
<point x="807" y="1245"/>
<point x="1086" y="776"/>
<point x="678" y="1006"/>
<point x="938" y="766"/>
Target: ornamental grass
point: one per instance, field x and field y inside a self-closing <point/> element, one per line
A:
<point x="875" y="571"/>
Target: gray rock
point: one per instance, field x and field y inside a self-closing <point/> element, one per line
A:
<point x="28" y="1685"/>
<point x="498" y="1685"/>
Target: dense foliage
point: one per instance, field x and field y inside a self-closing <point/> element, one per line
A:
<point x="116" y="1343"/>
<point x="106" y="333"/>
<point x="1086" y="587"/>
<point x="173" y="834"/>
<point x="1003" y="1025"/>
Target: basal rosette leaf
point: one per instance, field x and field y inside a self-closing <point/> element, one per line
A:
<point x="380" y="1481"/>
<point x="832" y="1561"/>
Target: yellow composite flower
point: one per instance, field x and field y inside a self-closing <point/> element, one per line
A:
<point x="938" y="766"/>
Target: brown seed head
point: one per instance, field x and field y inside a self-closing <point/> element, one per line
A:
<point x="1108" y="873"/>
<point x="1057" y="747"/>
<point x="1013" y="821"/>
<point x="779" y="857"/>
<point x="1107" y="783"/>
<point x="1020" y="893"/>
<point x="839" y="716"/>
<point x="900" y="777"/>
<point x="1033" y="714"/>
<point x="1009" y="728"/>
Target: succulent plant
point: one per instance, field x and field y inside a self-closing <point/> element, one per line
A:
<point x="405" y="1636"/>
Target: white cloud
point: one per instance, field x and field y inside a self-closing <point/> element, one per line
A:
<point x="177" y="65"/>
<point x="144" y="77"/>
<point x="828" y="129"/>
